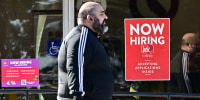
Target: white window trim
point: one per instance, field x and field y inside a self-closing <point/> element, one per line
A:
<point x="68" y="16"/>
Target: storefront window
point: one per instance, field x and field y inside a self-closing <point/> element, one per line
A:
<point x="34" y="29"/>
<point x="181" y="16"/>
<point x="44" y="5"/>
<point x="28" y="28"/>
<point x="49" y="39"/>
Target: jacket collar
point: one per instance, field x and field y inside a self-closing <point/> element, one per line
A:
<point x="90" y="31"/>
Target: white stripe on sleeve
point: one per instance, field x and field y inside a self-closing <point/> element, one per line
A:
<point x="81" y="51"/>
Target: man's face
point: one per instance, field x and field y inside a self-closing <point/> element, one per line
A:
<point x="100" y="18"/>
<point x="99" y="27"/>
<point x="194" y="47"/>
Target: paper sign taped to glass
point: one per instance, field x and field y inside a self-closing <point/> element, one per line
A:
<point x="20" y="72"/>
<point x="147" y="49"/>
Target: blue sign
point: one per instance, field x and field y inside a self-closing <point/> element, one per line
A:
<point x="54" y="47"/>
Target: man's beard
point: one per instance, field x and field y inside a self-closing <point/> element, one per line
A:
<point x="100" y="28"/>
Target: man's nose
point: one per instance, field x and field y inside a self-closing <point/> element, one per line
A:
<point x="106" y="17"/>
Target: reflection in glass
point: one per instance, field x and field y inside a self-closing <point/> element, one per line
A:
<point x="47" y="5"/>
<point x="49" y="30"/>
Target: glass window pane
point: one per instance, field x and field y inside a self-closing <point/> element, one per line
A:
<point x="33" y="29"/>
<point x="181" y="18"/>
<point x="49" y="38"/>
<point x="47" y="5"/>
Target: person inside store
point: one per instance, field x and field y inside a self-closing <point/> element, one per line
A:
<point x="84" y="69"/>
<point x="185" y="66"/>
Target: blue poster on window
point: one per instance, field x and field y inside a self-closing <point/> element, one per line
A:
<point x="54" y="47"/>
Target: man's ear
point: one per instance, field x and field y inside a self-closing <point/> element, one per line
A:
<point x="90" y="18"/>
<point x="190" y="45"/>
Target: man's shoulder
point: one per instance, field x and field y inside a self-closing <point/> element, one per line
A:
<point x="176" y="61"/>
<point x="75" y="32"/>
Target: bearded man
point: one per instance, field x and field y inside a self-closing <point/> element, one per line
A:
<point x="84" y="71"/>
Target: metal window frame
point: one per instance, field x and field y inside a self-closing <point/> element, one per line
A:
<point x="168" y="96"/>
<point x="68" y="16"/>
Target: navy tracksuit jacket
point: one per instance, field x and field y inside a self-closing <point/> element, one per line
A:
<point x="84" y="67"/>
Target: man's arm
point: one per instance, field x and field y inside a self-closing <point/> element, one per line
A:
<point x="72" y="66"/>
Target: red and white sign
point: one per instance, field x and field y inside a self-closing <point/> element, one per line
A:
<point x="147" y="49"/>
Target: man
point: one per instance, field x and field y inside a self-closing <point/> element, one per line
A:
<point x="84" y="70"/>
<point x="185" y="67"/>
